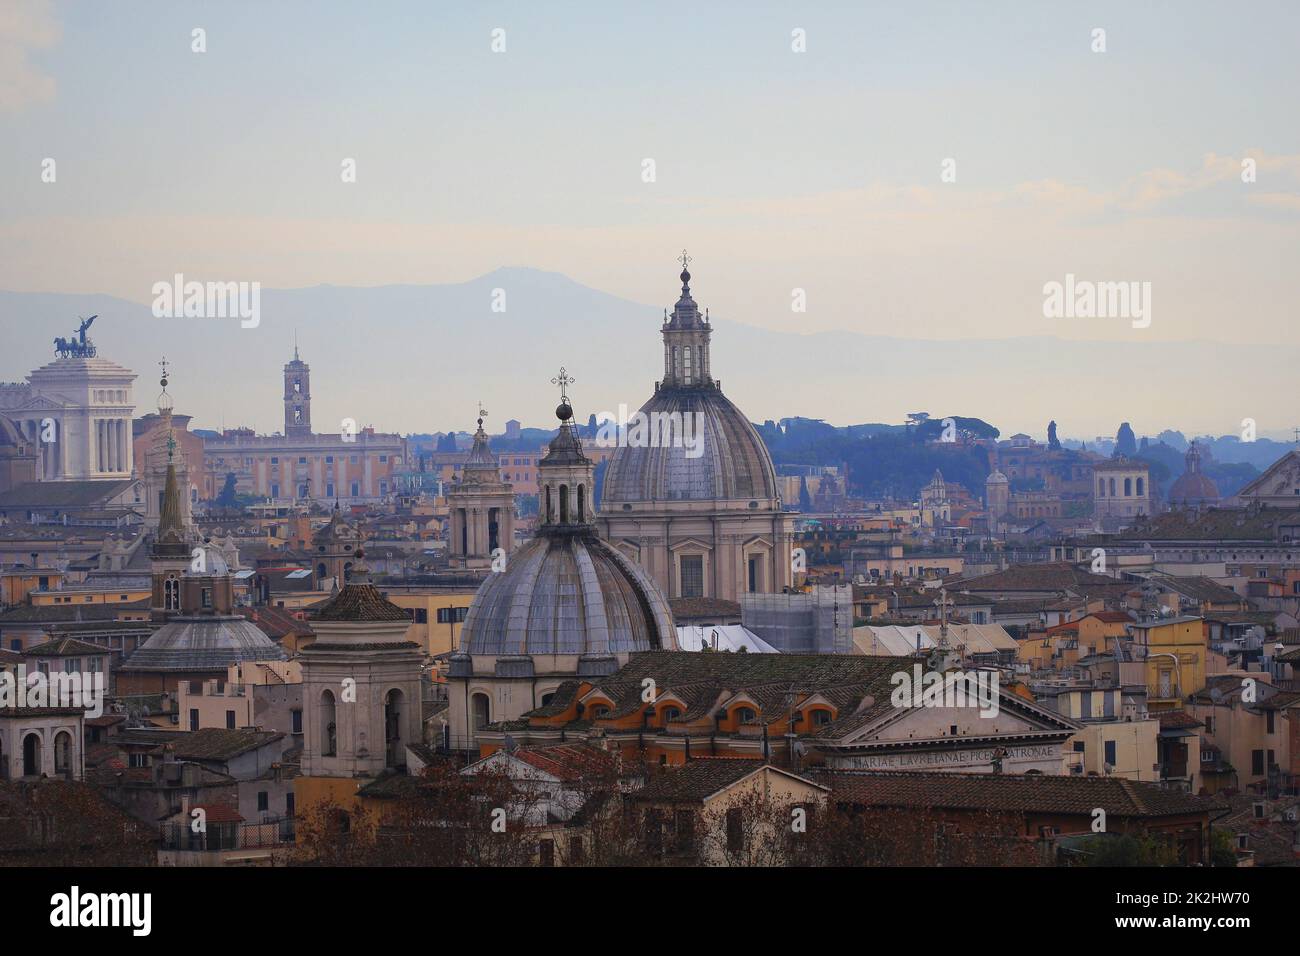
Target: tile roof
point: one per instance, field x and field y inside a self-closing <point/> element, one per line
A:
<point x="37" y="613"/>
<point x="1047" y="576"/>
<point x="1026" y="793"/>
<point x="63" y="494"/>
<point x="1213" y="524"/>
<point x="64" y="647"/>
<point x="684" y="608"/>
<point x="568" y="761"/>
<point x="360" y="602"/>
<point x="210" y="743"/>
<point x="1178" y="720"/>
<point x="696" y="780"/>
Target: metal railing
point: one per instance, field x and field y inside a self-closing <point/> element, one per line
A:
<point x="217" y="837"/>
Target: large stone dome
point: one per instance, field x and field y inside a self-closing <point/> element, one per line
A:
<point x="203" y="643"/>
<point x="730" y="463"/>
<point x="568" y="593"/>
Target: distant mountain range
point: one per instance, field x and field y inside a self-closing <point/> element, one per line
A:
<point x="419" y="359"/>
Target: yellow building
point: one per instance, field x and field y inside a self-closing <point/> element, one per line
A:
<point x="1175" y="652"/>
<point x="16" y="584"/>
<point x="436" y="615"/>
<point x="86" y="596"/>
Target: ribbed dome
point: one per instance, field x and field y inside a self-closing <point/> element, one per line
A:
<point x="568" y="593"/>
<point x="735" y="463"/>
<point x="203" y="644"/>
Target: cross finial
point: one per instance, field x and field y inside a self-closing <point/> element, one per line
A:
<point x="684" y="259"/>
<point x="564" y="380"/>
<point x="482" y="414"/>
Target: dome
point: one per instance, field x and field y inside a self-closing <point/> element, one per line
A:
<point x="731" y="460"/>
<point x="204" y="643"/>
<point x="568" y="593"/>
<point x="996" y="478"/>
<point x="1194" y="487"/>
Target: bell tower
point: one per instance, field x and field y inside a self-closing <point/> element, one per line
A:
<point x="482" y="508"/>
<point x="297" y="397"/>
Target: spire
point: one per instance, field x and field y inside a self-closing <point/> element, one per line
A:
<point x="171" y="520"/>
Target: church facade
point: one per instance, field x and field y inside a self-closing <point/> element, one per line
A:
<point x="697" y="503"/>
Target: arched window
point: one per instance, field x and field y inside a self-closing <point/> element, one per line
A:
<point x="394" y="748"/>
<point x="745" y="714"/>
<point x="32" y="755"/>
<point x="171" y="594"/>
<point x="550" y="507"/>
<point x="670" y="713"/>
<point x="62" y="752"/>
<point x="480" y="708"/>
<point x="328" y="725"/>
<point x="564" y="504"/>
<point x="1141" y="486"/>
<point x="1112" y="488"/>
<point x="1128" y="487"/>
<point x="582" y="503"/>
<point x="599" y="710"/>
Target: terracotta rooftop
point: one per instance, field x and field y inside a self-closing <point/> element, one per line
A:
<point x="360" y="602"/>
<point x="1028" y="793"/>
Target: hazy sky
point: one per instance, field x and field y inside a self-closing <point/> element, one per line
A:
<point x="778" y="170"/>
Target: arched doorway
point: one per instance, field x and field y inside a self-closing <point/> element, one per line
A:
<point x="480" y="711"/>
<point x="32" y="755"/>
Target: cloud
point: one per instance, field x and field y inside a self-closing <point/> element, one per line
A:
<point x="25" y="25"/>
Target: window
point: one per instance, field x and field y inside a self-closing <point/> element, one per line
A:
<point x="745" y="714"/>
<point x="1257" y="762"/>
<point x="684" y="831"/>
<point x="1268" y="721"/>
<point x="194" y="719"/>
<point x="735" y="830"/>
<point x="230" y="720"/>
<point x="207" y="597"/>
<point x="263" y="801"/>
<point x="692" y="575"/>
<point x="1209" y="725"/>
<point x="451" y="615"/>
<point x="288" y="804"/>
<point x="295" y="719"/>
<point x="1110" y="752"/>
